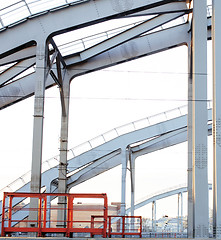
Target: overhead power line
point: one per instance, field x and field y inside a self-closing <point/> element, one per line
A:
<point x="115" y="98"/>
<point x="112" y="70"/>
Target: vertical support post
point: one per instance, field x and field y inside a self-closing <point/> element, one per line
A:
<point x="190" y="154"/>
<point x="178" y="214"/>
<point x="123" y="226"/>
<point x="124" y="158"/>
<point x="62" y="179"/>
<point x="105" y="216"/>
<point x="70" y="200"/>
<point x="216" y="41"/>
<point x="200" y="178"/>
<point x="41" y="56"/>
<point x="48" y="212"/>
<point x="132" y="178"/>
<point x="3" y="215"/>
<point x="181" y="213"/>
<point x="10" y="211"/>
<point x="39" y="215"/>
<point x="110" y="229"/>
<point x="44" y="211"/>
<point x="154" y="216"/>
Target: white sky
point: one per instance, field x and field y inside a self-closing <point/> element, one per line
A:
<point x="99" y="102"/>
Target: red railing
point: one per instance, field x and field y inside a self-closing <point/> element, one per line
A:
<point x="122" y="225"/>
<point x="45" y="223"/>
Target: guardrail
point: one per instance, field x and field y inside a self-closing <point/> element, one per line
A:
<point x="43" y="222"/>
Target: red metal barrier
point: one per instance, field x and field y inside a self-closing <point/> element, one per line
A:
<point x="44" y="222"/>
<point x="122" y="225"/>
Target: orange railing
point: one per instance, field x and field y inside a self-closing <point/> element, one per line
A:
<point x="16" y="209"/>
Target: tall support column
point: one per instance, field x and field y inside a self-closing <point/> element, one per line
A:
<point x="181" y="213"/>
<point x="216" y="40"/>
<point x="132" y="178"/>
<point x="41" y="56"/>
<point x="178" y="213"/>
<point x="154" y="216"/>
<point x="62" y="179"/>
<point x="189" y="137"/>
<point x="200" y="178"/>
<point x="124" y="159"/>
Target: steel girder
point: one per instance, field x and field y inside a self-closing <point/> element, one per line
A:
<point x="135" y="48"/>
<point x="162" y="195"/>
<point x="160" y="141"/>
<point x="129" y="34"/>
<point x="37" y="30"/>
<point x="56" y="22"/>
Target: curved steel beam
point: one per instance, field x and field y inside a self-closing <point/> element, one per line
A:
<point x="133" y="49"/>
<point x="57" y="22"/>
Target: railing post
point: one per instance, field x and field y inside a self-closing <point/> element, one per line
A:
<point x="109" y="233"/>
<point x="123" y="226"/>
<point x="3" y="216"/>
<point x="39" y="214"/>
<point x="44" y="211"/>
<point x="105" y="216"/>
<point x="140" y="227"/>
<point x="10" y="211"/>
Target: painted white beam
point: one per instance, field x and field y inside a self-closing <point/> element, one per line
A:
<point x="124" y="162"/>
<point x="86" y="14"/>
<point x="125" y="36"/>
<point x="19" y="55"/>
<point x="154" y="217"/>
<point x="189" y="148"/>
<point x="135" y="48"/>
<point x="37" y="143"/>
<point x="163" y="194"/>
<point x="20" y="90"/>
<point x="94" y="169"/>
<point x="216" y="41"/>
<point x="132" y="179"/>
<point x="16" y="70"/>
<point x="163" y="137"/>
<point x="62" y="177"/>
<point x="199" y="121"/>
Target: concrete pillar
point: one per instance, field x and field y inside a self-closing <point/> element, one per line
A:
<point x="62" y="179"/>
<point x="199" y="120"/>
<point x="216" y="40"/>
<point x="41" y="56"/>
